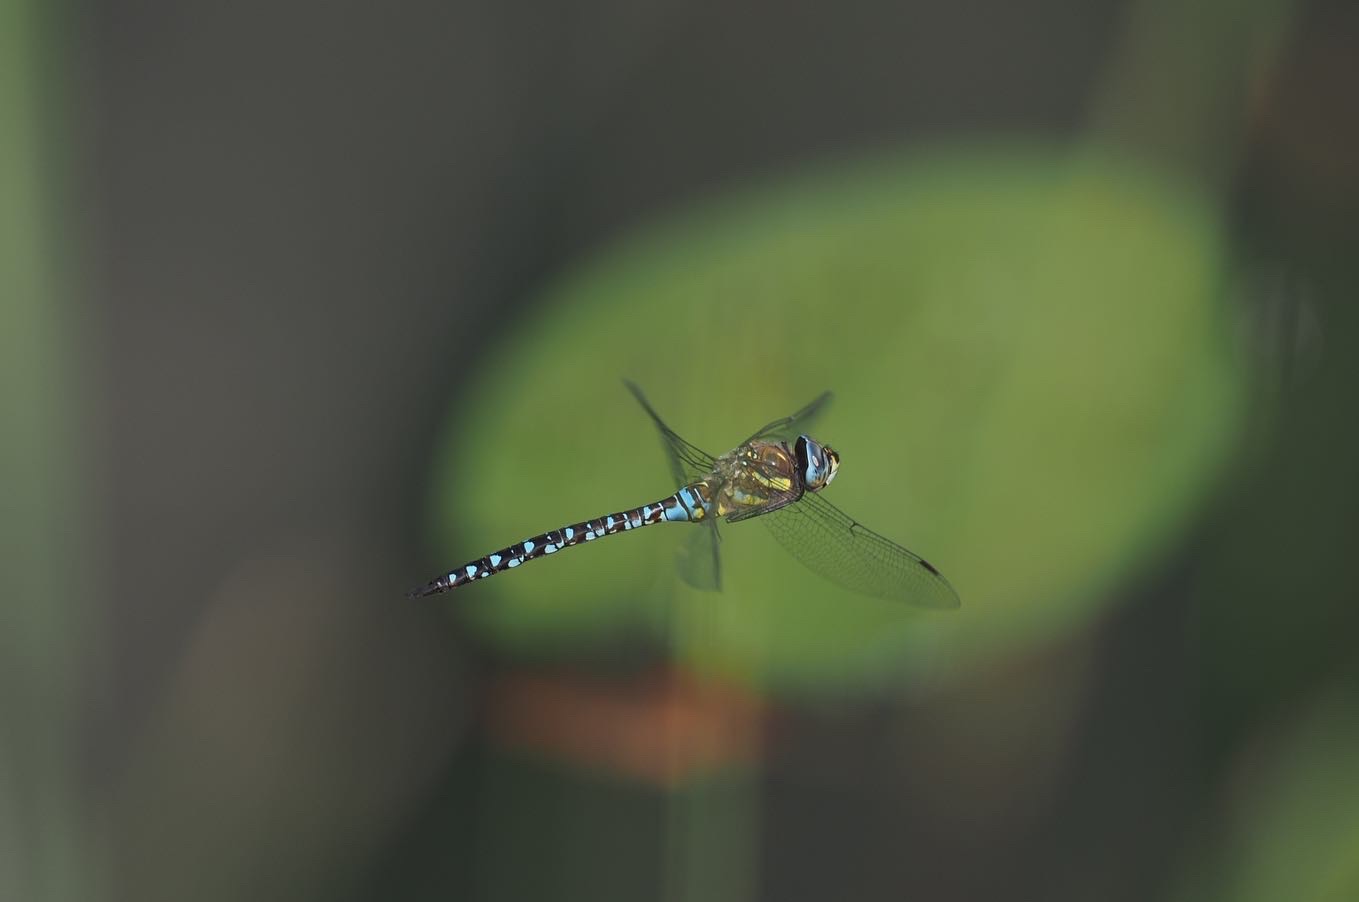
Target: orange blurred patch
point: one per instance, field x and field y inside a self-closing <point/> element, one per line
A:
<point x="662" y="727"/>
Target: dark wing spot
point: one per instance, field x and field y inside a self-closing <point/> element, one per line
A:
<point x="928" y="566"/>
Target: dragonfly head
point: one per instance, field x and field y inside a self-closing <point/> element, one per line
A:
<point x="817" y="463"/>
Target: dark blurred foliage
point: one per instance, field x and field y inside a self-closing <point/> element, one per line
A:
<point x="262" y="268"/>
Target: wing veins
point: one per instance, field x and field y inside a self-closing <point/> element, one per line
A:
<point x="832" y="543"/>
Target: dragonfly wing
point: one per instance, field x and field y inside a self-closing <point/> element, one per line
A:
<point x="697" y="560"/>
<point x="789" y="427"/>
<point x="688" y="463"/>
<point x="841" y="549"/>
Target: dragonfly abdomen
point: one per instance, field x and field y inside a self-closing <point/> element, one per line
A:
<point x="688" y="504"/>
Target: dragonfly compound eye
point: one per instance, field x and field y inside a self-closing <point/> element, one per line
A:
<point x="817" y="463"/>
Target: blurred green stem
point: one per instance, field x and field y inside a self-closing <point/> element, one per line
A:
<point x="43" y="843"/>
<point x="712" y="849"/>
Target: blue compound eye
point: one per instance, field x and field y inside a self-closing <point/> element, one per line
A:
<point x="816" y="465"/>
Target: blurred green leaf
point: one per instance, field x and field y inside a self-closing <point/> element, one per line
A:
<point x="1035" y="385"/>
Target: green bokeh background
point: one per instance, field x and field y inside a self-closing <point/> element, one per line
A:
<point x="301" y="302"/>
<point x="1037" y="382"/>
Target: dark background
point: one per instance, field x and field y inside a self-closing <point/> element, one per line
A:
<point x="276" y="240"/>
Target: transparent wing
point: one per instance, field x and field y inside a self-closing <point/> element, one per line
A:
<point x="688" y="462"/>
<point x="697" y="560"/>
<point x="789" y="427"/>
<point x="844" y="551"/>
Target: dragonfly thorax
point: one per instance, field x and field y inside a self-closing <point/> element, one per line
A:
<point x="816" y="463"/>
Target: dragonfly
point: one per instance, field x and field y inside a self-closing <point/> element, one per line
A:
<point x="776" y="475"/>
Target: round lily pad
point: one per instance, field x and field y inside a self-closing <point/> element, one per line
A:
<point x="1035" y="384"/>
